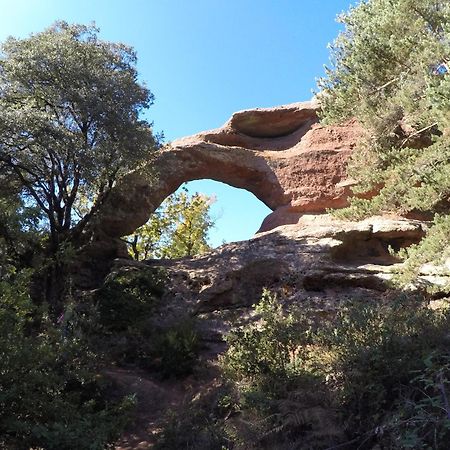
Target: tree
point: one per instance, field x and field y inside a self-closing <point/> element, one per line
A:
<point x="390" y="71"/>
<point x="19" y="229"/>
<point x="70" y="123"/>
<point x="178" y="228"/>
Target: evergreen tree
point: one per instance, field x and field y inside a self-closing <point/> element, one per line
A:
<point x="390" y="69"/>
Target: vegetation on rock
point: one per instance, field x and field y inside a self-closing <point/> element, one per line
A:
<point x="391" y="70"/>
<point x="373" y="374"/>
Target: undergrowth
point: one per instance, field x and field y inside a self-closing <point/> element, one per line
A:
<point x="52" y="392"/>
<point x="375" y="374"/>
<point x="127" y="305"/>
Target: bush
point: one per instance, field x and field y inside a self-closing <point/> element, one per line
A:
<point x="269" y="347"/>
<point x="379" y="372"/>
<point x="126" y="305"/>
<point x="421" y="418"/>
<point x="199" y="423"/>
<point x="51" y="393"/>
<point x="175" y="350"/>
<point x="283" y="400"/>
<point x="382" y="355"/>
<point x="128" y="298"/>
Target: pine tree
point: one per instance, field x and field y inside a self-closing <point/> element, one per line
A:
<point x="390" y="70"/>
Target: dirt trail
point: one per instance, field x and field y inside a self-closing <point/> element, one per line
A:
<point x="154" y="399"/>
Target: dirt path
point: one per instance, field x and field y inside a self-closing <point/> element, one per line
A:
<point x="154" y="399"/>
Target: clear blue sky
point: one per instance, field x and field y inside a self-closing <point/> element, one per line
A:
<point x="204" y="60"/>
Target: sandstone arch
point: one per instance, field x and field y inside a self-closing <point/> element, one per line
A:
<point x="282" y="155"/>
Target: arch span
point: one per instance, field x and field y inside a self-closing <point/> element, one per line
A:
<point x="281" y="155"/>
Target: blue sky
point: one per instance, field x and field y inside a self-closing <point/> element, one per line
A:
<point x="204" y="60"/>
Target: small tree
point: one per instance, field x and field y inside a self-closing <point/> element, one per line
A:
<point x="70" y="122"/>
<point x="178" y="228"/>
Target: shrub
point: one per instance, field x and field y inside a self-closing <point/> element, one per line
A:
<point x="199" y="423"/>
<point x="283" y="401"/>
<point x="421" y="418"/>
<point x="175" y="350"/>
<point x="51" y="393"/>
<point x="128" y="298"/>
<point x="127" y="304"/>
<point x="378" y="371"/>
<point x="382" y="355"/>
<point x="271" y="347"/>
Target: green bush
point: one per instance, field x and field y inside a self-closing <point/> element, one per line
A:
<point x="380" y="372"/>
<point x="421" y="418"/>
<point x="51" y="393"/>
<point x="269" y="347"/>
<point x="283" y="402"/>
<point x="174" y="350"/>
<point x="382" y="355"/>
<point x="126" y="305"/>
<point x="128" y="298"/>
<point x="199" y="423"/>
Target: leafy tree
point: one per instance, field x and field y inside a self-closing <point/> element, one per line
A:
<point x="19" y="228"/>
<point x="70" y="124"/>
<point x="178" y="228"/>
<point x="390" y="70"/>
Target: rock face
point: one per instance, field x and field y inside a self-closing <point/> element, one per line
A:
<point x="282" y="155"/>
<point x="319" y="259"/>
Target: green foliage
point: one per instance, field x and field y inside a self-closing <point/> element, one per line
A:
<point x="281" y="392"/>
<point x="126" y="330"/>
<point x="432" y="248"/>
<point x="379" y="372"/>
<point x="383" y="65"/>
<point x="70" y="127"/>
<point x="175" y="350"/>
<point x="378" y="350"/>
<point x="200" y="423"/>
<point x="69" y="109"/>
<point x="128" y="298"/>
<point x="269" y="347"/>
<point x="51" y="393"/>
<point x="391" y="70"/>
<point x="421" y="418"/>
<point x="178" y="228"/>
<point x="19" y="227"/>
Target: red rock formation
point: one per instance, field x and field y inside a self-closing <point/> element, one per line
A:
<point x="282" y="155"/>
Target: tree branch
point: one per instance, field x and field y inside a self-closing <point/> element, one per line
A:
<point x="416" y="133"/>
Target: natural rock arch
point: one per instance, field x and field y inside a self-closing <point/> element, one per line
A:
<point x="282" y="155"/>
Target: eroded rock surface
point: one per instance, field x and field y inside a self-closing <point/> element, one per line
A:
<point x="282" y="155"/>
<point x="318" y="264"/>
<point x="320" y="260"/>
<point x="295" y="166"/>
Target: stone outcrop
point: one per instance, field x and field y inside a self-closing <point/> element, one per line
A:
<point x="282" y="155"/>
<point x="320" y="259"/>
<point x="309" y="258"/>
